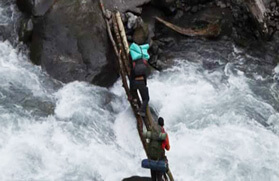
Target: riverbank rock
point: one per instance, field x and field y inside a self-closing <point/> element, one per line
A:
<point x="70" y="42"/>
<point x="69" y="38"/>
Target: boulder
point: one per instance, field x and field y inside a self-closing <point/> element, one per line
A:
<point x="25" y="30"/>
<point x="35" y="7"/>
<point x="167" y="5"/>
<point x="125" y="5"/>
<point x="40" y="7"/>
<point x="25" y="6"/>
<point x="70" y="42"/>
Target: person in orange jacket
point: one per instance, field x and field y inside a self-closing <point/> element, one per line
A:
<point x="155" y="175"/>
<point x="166" y="143"/>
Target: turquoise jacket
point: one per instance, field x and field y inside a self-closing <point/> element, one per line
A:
<point x="139" y="51"/>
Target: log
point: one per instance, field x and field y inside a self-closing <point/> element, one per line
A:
<point x="212" y="30"/>
<point x="123" y="33"/>
<point x="124" y="42"/>
<point x="108" y="28"/>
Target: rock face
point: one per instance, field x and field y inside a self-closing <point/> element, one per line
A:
<point x="71" y="43"/>
<point x="166" y="5"/>
<point x="69" y="38"/>
<point x="35" y="7"/>
<point x="272" y="16"/>
<point x="25" y="31"/>
<point x="125" y="5"/>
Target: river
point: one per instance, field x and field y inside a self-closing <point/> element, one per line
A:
<point x="219" y="103"/>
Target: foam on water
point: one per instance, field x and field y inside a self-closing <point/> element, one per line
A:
<point x="84" y="138"/>
<point x="4" y="20"/>
<point x="215" y="126"/>
<point x="213" y="120"/>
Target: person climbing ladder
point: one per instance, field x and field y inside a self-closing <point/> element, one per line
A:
<point x="139" y="56"/>
<point x="158" y="143"/>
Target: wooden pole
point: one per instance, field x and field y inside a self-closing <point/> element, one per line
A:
<point x="108" y="28"/>
<point x="124" y="41"/>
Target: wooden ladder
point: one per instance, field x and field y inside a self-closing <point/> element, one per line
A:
<point x="117" y="35"/>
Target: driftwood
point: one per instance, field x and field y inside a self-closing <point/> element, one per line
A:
<point x="212" y="30"/>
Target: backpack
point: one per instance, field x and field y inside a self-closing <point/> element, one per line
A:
<point x="154" y="147"/>
<point x="140" y="67"/>
<point x="139" y="51"/>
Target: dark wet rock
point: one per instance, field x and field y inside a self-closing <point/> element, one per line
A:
<point x="168" y="6"/>
<point x="273" y="5"/>
<point x="148" y="17"/>
<point x="71" y="43"/>
<point x="26" y="30"/>
<point x="35" y="7"/>
<point x="125" y="5"/>
<point x="194" y="9"/>
<point x="235" y="20"/>
<point x="162" y="3"/>
<point x="178" y="14"/>
<point x="272" y="16"/>
<point x="221" y="4"/>
<point x="25" y="5"/>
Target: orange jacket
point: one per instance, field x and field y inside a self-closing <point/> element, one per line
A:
<point x="166" y="143"/>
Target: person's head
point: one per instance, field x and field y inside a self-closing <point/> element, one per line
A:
<point x="161" y="121"/>
<point x="141" y="33"/>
